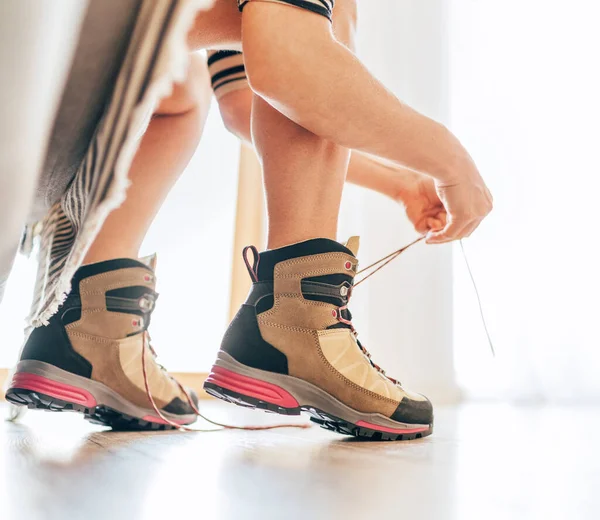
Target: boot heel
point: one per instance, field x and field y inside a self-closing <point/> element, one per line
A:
<point x="250" y="392"/>
<point x="35" y="391"/>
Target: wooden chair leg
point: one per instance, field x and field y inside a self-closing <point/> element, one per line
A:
<point x="249" y="223"/>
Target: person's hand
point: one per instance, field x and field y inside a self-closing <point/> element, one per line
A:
<point x="467" y="203"/>
<point x="417" y="193"/>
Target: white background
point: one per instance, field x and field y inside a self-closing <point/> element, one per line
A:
<point x="524" y="94"/>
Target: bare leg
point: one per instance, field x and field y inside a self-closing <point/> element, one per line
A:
<point x="169" y="142"/>
<point x="219" y="27"/>
<point x="416" y="192"/>
<point x="164" y="152"/>
<point x="413" y="190"/>
<point x="304" y="174"/>
<point x="304" y="177"/>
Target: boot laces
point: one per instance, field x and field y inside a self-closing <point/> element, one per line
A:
<point x="377" y="266"/>
<point x="147" y="347"/>
<point x="373" y="268"/>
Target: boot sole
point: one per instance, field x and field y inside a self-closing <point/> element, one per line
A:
<point x="41" y="386"/>
<point x="245" y="386"/>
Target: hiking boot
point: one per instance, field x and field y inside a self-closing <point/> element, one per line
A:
<point x="89" y="357"/>
<point x="292" y="348"/>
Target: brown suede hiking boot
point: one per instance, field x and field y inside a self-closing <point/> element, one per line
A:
<point x="89" y="357"/>
<point x="292" y="348"/>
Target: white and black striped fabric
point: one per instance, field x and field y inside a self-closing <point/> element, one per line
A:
<point x="322" y="7"/>
<point x="156" y="56"/>
<point x="227" y="72"/>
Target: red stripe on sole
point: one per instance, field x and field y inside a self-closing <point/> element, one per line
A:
<point x="251" y="387"/>
<point x="62" y="391"/>
<point x="376" y="427"/>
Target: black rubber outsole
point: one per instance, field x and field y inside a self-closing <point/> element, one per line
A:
<point x="102" y="415"/>
<point x="324" y="420"/>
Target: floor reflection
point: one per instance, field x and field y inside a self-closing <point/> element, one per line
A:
<point x="482" y="462"/>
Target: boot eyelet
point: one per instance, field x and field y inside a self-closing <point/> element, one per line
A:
<point x="146" y="303"/>
<point x="348" y="265"/>
<point x="148" y="278"/>
<point x="334" y="313"/>
<point x="138" y="323"/>
<point x="344" y="291"/>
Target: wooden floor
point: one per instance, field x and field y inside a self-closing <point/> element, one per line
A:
<point x="483" y="462"/>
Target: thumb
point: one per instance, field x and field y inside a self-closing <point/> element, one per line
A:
<point x="434" y="224"/>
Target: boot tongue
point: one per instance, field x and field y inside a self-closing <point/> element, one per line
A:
<point x="315" y="246"/>
<point x="150" y="261"/>
<point x="353" y="244"/>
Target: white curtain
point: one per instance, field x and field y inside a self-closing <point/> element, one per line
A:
<point x="524" y="98"/>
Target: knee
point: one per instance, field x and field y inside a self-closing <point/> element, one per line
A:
<point x="236" y="112"/>
<point x="193" y="93"/>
